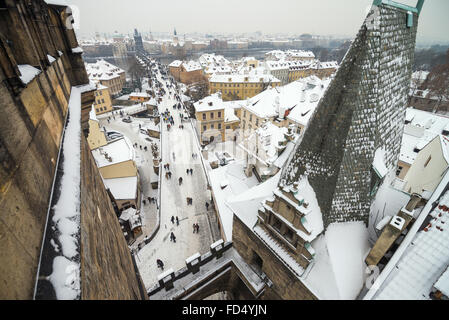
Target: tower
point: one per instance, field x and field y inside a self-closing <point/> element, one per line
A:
<point x="355" y="134"/>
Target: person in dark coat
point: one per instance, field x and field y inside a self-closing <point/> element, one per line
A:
<point x="207" y="205"/>
<point x="172" y="219"/>
<point x="177" y="221"/>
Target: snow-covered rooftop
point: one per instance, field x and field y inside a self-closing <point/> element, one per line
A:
<point x="103" y="70"/>
<point x="422" y="127"/>
<point x="424" y="260"/>
<point x="241" y="78"/>
<point x="297" y="100"/>
<point x="122" y="188"/>
<point x="236" y="184"/>
<point x="118" y="151"/>
<point x="422" y="256"/>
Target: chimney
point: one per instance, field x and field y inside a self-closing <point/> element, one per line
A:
<point x="392" y="231"/>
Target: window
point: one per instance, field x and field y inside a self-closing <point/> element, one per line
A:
<point x="228" y="127"/>
<point x="398" y="171"/>
<point x="204" y="128"/>
<point x="289" y="235"/>
<point x="257" y="121"/>
<point x="250" y="117"/>
<point x="427" y="162"/>
<point x="211" y="115"/>
<point x="277" y="224"/>
<point x="102" y="100"/>
<point x="101" y="93"/>
<point x="212" y="126"/>
<point x="204" y="116"/>
<point x="219" y="126"/>
<point x="219" y="114"/>
<point x="244" y="114"/>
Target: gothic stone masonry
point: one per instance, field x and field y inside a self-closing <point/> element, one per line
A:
<point x="31" y="125"/>
<point x="363" y="110"/>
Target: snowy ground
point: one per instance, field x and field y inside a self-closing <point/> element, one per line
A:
<point x="181" y="144"/>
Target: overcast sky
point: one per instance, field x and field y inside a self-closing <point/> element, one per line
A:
<point x="323" y="17"/>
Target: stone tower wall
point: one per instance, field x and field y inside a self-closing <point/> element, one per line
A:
<point x="363" y="110"/>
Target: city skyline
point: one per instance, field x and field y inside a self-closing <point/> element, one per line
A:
<point x="325" y="17"/>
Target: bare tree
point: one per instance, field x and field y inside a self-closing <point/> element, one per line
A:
<point x="199" y="89"/>
<point x="437" y="82"/>
<point x="136" y="71"/>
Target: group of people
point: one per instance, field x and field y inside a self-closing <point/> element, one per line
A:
<point x="196" y="228"/>
<point x="189" y="171"/>
<point x="173" y="220"/>
<point x="194" y="155"/>
<point x="189" y="201"/>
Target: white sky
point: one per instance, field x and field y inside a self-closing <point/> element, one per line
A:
<point x="324" y="17"/>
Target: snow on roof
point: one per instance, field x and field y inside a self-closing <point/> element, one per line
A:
<point x="321" y="279"/>
<point x="379" y="163"/>
<point x="122" y="188"/>
<point x="50" y="58"/>
<point x="175" y="64"/>
<point x="443" y="283"/>
<point x="325" y="65"/>
<point x="238" y="183"/>
<point x="424" y="260"/>
<point x="101" y="87"/>
<point x="241" y="78"/>
<point x="139" y="94"/>
<point x="422" y="128"/>
<point x="102" y="70"/>
<point x="277" y="65"/>
<point x="280" y="161"/>
<point x="420" y="75"/>
<point x="269" y="137"/>
<point x="297" y="100"/>
<point x="387" y="203"/>
<point x="92" y="114"/>
<point x="66" y="218"/>
<point x="347" y="245"/>
<point x="209" y="103"/>
<point x="132" y="217"/>
<point x="191" y="66"/>
<point x="28" y="72"/>
<point x="77" y="50"/>
<point x="421" y="247"/>
<point x="230" y="115"/>
<point x="118" y="150"/>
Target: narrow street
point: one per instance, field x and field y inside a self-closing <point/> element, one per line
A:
<point x="177" y="147"/>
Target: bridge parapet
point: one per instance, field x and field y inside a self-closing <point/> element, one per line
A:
<point x="203" y="271"/>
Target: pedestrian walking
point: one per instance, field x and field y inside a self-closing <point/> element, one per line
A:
<point x="197" y="228"/>
<point x="169" y="175"/>
<point x="194" y="228"/>
<point x="172" y="219"/>
<point x="187" y="171"/>
<point x="180" y="180"/>
<point x="207" y="206"/>
<point x="191" y="171"/>
<point x="177" y="221"/>
<point x="160" y="264"/>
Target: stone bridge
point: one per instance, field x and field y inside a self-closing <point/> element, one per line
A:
<point x="221" y="269"/>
